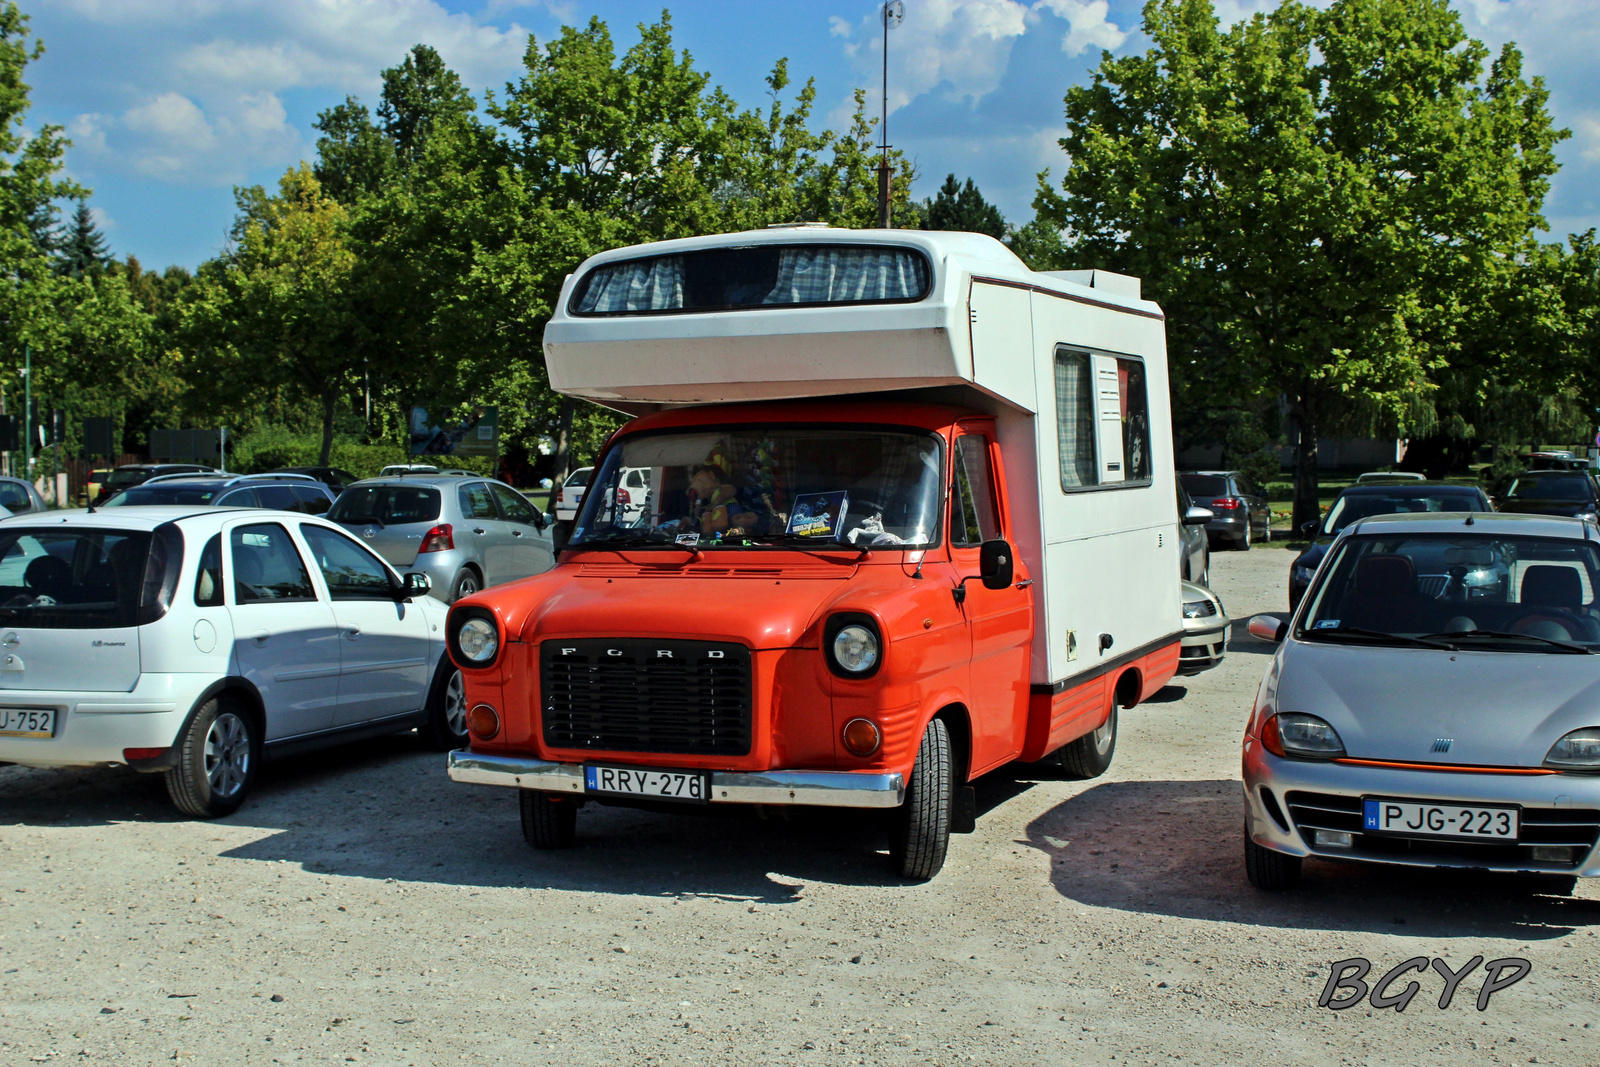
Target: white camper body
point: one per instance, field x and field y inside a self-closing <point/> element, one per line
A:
<point x="1056" y="358"/>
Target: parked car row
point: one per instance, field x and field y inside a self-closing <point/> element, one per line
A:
<point x="1240" y="513"/>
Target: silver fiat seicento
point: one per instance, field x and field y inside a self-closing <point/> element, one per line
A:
<point x="1434" y="702"/>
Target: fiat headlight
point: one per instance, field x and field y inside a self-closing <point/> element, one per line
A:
<point x="1293" y="733"/>
<point x="1576" y="751"/>
<point x="855" y="648"/>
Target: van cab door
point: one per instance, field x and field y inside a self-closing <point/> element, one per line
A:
<point x="1000" y="620"/>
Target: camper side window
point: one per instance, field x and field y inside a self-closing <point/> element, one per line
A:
<point x="973" y="512"/>
<point x="1075" y="422"/>
<point x="1102" y="420"/>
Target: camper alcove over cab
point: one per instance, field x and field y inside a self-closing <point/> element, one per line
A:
<point x="894" y="511"/>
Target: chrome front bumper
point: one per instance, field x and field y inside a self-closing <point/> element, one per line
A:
<point x="827" y="789"/>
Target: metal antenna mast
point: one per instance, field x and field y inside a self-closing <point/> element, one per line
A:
<point x="892" y="9"/>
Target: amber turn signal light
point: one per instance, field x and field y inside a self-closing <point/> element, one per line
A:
<point x="483" y="721"/>
<point x="861" y="736"/>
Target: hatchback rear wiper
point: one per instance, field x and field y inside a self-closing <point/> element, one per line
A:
<point x="1377" y="635"/>
<point x="1562" y="646"/>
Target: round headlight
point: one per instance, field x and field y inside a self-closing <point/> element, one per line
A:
<point x="855" y="648"/>
<point x="1577" y="751"/>
<point x="1293" y="733"/>
<point x="477" y="640"/>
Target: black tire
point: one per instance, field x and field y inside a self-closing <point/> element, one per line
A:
<point x="217" y="756"/>
<point x="1090" y="755"/>
<point x="446" y="728"/>
<point x="1243" y="543"/>
<point x="466" y="583"/>
<point x="919" y="836"/>
<point x="548" y="821"/>
<point x="1269" y="870"/>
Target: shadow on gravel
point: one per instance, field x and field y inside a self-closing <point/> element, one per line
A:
<point x="384" y="809"/>
<point x="1175" y="848"/>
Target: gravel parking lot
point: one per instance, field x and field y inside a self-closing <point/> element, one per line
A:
<point x="362" y="908"/>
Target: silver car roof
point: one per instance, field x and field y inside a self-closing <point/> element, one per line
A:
<point x="1484" y="523"/>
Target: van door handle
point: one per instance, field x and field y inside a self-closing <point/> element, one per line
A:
<point x="1024" y="583"/>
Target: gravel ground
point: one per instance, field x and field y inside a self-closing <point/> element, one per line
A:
<point x="362" y="908"/>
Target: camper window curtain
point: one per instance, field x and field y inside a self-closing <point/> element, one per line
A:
<point x="754" y="277"/>
<point x="825" y="275"/>
<point x="1075" y="419"/>
<point x="634" y="285"/>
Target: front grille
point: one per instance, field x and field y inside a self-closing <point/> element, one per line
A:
<point x="631" y="695"/>
<point x="1577" y="828"/>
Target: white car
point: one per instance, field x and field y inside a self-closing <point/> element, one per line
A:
<point x="571" y="494"/>
<point x="196" y="641"/>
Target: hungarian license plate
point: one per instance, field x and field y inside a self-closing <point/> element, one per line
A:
<point x="689" y="786"/>
<point x="27" y="722"/>
<point x="1440" y="819"/>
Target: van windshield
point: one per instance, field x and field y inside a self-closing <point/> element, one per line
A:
<point x="62" y="579"/>
<point x="748" y="485"/>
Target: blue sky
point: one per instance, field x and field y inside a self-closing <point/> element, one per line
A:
<point x="170" y="103"/>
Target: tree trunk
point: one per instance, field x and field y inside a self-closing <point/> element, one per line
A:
<point x="563" y="444"/>
<point x="329" y="399"/>
<point x="1307" y="507"/>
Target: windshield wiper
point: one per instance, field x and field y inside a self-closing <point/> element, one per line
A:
<point x="626" y="541"/>
<point x="1563" y="646"/>
<point x="1377" y="636"/>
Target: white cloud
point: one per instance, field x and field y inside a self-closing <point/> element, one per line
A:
<point x="838" y="27"/>
<point x="1586" y="132"/>
<point x="1089" y="25"/>
<point x="202" y="80"/>
<point x="959" y="46"/>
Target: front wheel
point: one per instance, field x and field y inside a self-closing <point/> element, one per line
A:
<point x="1269" y="870"/>
<point x="548" y="821"/>
<point x="919" y="836"/>
<point x="217" y="756"/>
<point x="1090" y="755"/>
<point x="446" y="728"/>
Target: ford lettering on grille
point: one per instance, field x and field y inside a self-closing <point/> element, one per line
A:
<point x="633" y="695"/>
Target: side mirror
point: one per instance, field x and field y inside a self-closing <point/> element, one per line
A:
<point x="1268" y="628"/>
<point x="1310" y="527"/>
<point x="1197" y="516"/>
<point x="414" y="584"/>
<point x="996" y="563"/>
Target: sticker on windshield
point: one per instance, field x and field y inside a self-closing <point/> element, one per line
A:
<point x="818" y="514"/>
<point x="689" y="539"/>
<point x="1326" y="624"/>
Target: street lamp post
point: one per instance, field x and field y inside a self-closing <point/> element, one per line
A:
<point x="892" y="10"/>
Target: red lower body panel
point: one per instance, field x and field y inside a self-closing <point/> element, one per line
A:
<point x="1057" y="718"/>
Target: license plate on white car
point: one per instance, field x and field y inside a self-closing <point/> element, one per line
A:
<point x="1437" y="818"/>
<point x="27" y="722"/>
<point x="687" y="786"/>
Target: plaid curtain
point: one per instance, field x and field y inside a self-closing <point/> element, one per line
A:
<point x="635" y="285"/>
<point x="1075" y="419"/>
<point x="819" y="274"/>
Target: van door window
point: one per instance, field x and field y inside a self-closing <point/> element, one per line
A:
<point x="976" y="520"/>
<point x="1075" y="419"/>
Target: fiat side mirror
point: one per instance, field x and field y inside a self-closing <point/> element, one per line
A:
<point x="1196" y="516"/>
<point x="1268" y="628"/>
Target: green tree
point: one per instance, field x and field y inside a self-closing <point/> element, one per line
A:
<point x="962" y="207"/>
<point x="283" y="308"/>
<point x="1319" y="199"/>
<point x="82" y="248"/>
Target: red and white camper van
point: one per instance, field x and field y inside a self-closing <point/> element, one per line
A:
<point x="910" y="519"/>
